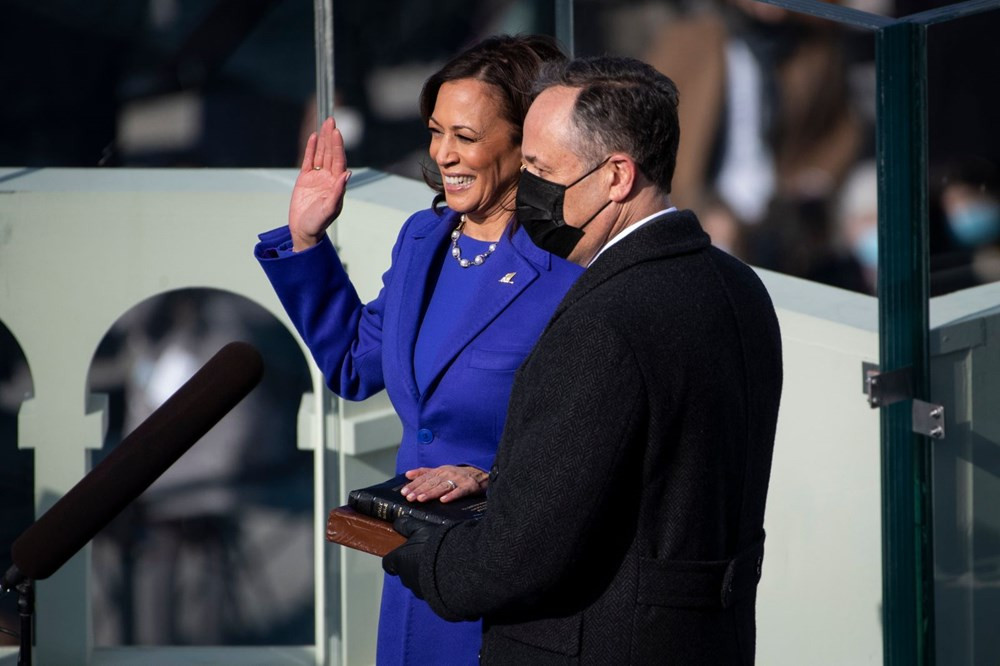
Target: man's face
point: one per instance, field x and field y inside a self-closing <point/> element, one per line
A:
<point x="548" y="152"/>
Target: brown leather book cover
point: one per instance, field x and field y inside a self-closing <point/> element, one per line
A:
<point x="355" y="530"/>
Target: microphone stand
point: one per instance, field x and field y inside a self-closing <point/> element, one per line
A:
<point x="26" y="609"/>
<point x="15" y="580"/>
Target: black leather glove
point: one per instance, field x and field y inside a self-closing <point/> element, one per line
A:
<point x="405" y="560"/>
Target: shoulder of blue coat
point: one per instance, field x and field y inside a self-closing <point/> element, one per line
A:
<point x="426" y="221"/>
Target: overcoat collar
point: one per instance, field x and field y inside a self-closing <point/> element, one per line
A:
<point x="670" y="234"/>
<point x="497" y="290"/>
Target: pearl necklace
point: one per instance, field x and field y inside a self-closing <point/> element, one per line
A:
<point x="457" y="251"/>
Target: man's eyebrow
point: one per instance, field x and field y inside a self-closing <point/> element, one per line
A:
<point x="533" y="161"/>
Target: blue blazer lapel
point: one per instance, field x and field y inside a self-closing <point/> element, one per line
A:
<point x="428" y="241"/>
<point x="503" y="281"/>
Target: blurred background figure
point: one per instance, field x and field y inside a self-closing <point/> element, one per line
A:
<point x="219" y="549"/>
<point x="771" y="125"/>
<point x="968" y="194"/>
<point x="851" y="261"/>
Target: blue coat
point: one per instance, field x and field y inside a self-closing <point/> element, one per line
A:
<point x="459" y="417"/>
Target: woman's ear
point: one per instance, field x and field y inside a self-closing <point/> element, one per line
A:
<point x="623" y="176"/>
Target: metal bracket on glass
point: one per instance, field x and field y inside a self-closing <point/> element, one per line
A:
<point x="887" y="388"/>
<point x="928" y="419"/>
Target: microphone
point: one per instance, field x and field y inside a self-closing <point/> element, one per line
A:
<point x="135" y="463"/>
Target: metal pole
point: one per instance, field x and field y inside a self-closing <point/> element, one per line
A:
<point x="26" y="609"/>
<point x="324" y="589"/>
<point x="903" y="287"/>
<point x="324" y="59"/>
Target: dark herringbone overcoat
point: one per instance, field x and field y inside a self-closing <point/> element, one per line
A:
<point x="625" y="520"/>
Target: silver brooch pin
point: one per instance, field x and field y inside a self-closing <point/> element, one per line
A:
<point x="508" y="279"/>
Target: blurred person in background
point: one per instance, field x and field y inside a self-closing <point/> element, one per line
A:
<point x="767" y="115"/>
<point x="852" y="259"/>
<point x="217" y="549"/>
<point x="770" y="117"/>
<point x="968" y="195"/>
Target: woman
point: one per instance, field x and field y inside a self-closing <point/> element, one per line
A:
<point x="463" y="302"/>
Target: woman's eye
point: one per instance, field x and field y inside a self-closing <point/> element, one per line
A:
<point x="465" y="139"/>
<point x="433" y="130"/>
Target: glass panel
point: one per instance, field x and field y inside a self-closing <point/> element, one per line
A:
<point x="964" y="164"/>
<point x="966" y="473"/>
<point x="219" y="550"/>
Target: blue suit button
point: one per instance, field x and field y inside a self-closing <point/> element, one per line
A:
<point x="425" y="436"/>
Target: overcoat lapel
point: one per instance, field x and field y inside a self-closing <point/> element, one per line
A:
<point x="670" y="234"/>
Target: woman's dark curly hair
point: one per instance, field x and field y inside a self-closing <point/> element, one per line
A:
<point x="509" y="63"/>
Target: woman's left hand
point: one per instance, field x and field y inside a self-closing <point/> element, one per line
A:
<point x="446" y="483"/>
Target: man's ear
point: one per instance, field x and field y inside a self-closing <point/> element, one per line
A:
<point x="624" y="173"/>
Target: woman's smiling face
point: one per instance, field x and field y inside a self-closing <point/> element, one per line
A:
<point x="475" y="150"/>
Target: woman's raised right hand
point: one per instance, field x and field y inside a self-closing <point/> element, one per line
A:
<point x="318" y="196"/>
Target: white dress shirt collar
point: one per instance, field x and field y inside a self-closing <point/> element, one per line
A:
<point x="629" y="229"/>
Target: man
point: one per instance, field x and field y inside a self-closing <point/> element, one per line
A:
<point x="626" y="505"/>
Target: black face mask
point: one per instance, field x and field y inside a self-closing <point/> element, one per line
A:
<point x="540" y="211"/>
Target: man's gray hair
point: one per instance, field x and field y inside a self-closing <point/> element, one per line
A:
<point x="624" y="105"/>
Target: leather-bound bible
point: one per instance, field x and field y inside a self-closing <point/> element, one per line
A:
<point x="365" y="523"/>
<point x="384" y="501"/>
<point x="356" y="530"/>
